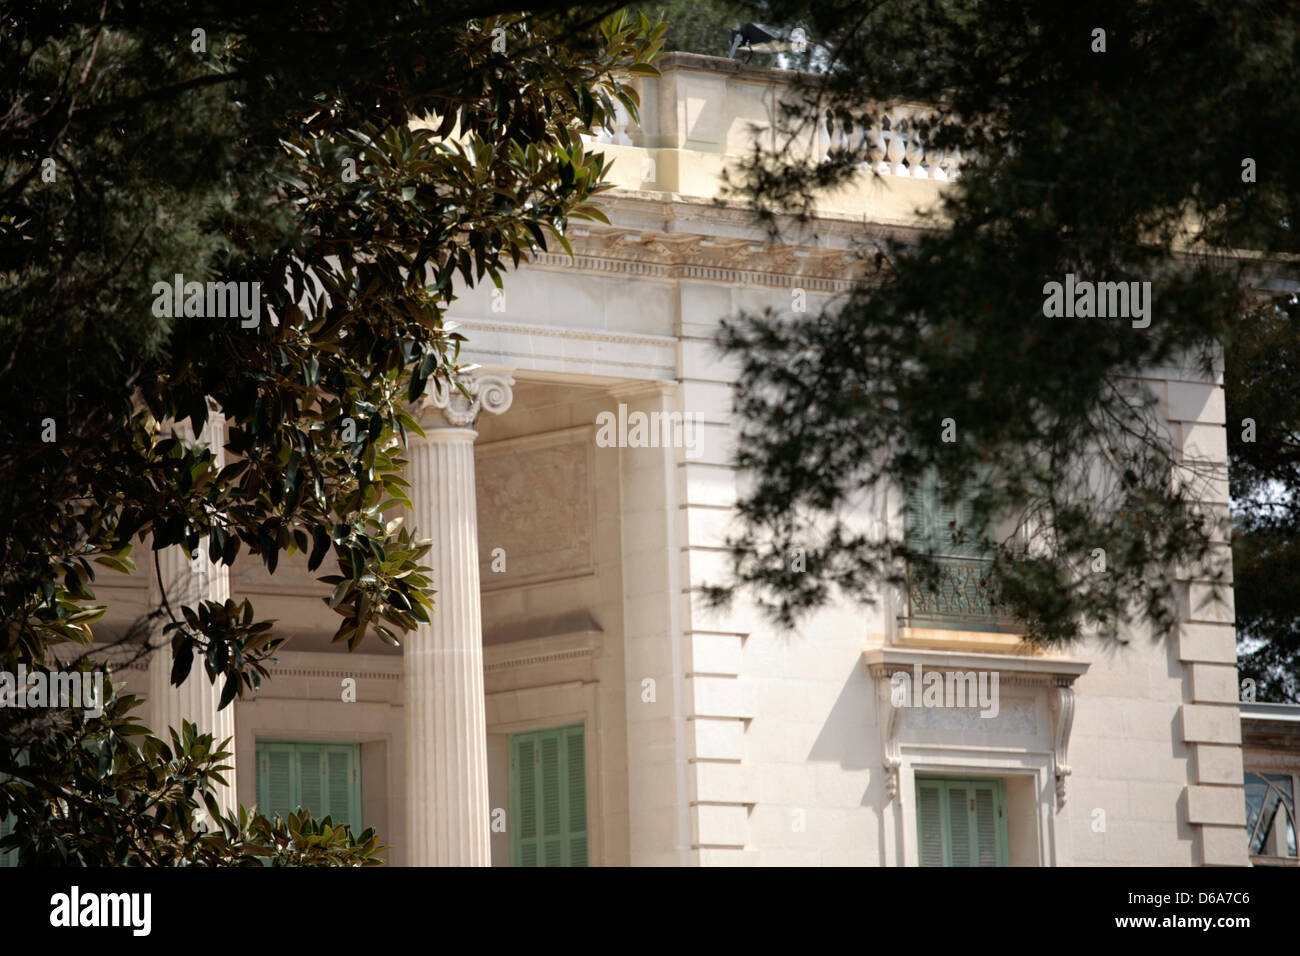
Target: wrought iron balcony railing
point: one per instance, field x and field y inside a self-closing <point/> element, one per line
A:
<point x="954" y="593"/>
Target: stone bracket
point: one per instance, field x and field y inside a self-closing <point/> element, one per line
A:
<point x="1062" y="705"/>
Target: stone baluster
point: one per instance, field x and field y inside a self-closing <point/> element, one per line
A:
<point x="897" y="151"/>
<point x="877" y="147"/>
<point x="823" y="135"/>
<point x="916" y="153"/>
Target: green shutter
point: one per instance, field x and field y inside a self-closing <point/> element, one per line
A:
<point x="961" y="822"/>
<point x="916" y="518"/>
<point x="937" y="524"/>
<point x="929" y="796"/>
<point x="548" y="798"/>
<point x="276" y="790"/>
<point x="987" y="810"/>
<point x="523" y="799"/>
<point x="964" y="537"/>
<point x="552" y="835"/>
<point x="959" y="830"/>
<point x="575" y="753"/>
<point x="311" y="780"/>
<point x="324" y="778"/>
<point x="343" y="785"/>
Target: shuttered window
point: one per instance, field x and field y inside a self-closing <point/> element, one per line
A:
<point x="324" y="778"/>
<point x="548" y="798"/>
<point x="952" y="589"/>
<point x="939" y="525"/>
<point x="961" y="821"/>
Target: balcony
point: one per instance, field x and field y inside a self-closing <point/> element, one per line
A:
<point x="704" y="113"/>
<point x="953" y="594"/>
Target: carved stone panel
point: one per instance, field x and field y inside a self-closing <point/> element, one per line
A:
<point x="1013" y="717"/>
<point x="535" y="504"/>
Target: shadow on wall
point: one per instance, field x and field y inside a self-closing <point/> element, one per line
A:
<point x="849" y="736"/>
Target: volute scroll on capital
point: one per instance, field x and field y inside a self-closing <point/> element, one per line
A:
<point x="489" y="391"/>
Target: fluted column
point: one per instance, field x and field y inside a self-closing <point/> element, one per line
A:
<point x="188" y="582"/>
<point x="447" y="812"/>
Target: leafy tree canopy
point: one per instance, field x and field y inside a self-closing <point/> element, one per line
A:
<point x="251" y="143"/>
<point x="702" y="27"/>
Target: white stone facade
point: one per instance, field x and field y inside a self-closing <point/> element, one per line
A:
<point x="714" y="738"/>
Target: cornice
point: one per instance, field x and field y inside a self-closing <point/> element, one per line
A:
<point x="562" y="332"/>
<point x="676" y="212"/>
<point x="334" y="673"/>
<point x="670" y="256"/>
<point x="555" y="649"/>
<point x="1012" y="668"/>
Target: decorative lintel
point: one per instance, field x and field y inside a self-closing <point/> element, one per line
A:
<point x="1056" y="675"/>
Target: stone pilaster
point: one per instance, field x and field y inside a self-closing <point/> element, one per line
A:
<point x="447" y="807"/>
<point x="664" y="732"/>
<point x="1214" y="801"/>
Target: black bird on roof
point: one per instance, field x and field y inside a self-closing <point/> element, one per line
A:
<point x="757" y="38"/>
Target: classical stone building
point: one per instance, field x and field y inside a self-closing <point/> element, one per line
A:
<point x="573" y="702"/>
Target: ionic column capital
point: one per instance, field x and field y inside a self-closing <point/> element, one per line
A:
<point x="489" y="391"/>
